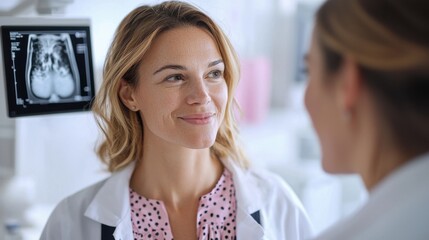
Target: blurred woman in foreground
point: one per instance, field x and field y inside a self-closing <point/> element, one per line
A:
<point x="368" y="98"/>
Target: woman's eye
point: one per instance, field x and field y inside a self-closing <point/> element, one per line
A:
<point x="215" y="74"/>
<point x="175" y="78"/>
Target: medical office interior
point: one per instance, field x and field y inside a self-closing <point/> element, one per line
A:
<point x="46" y="157"/>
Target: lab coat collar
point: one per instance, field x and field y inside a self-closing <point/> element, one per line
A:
<point x="111" y="204"/>
<point x="247" y="191"/>
<point x="106" y="209"/>
<point x="249" y="201"/>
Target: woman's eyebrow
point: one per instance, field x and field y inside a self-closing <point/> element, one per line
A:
<point x="215" y="63"/>
<point x="180" y="67"/>
<point x="170" y="66"/>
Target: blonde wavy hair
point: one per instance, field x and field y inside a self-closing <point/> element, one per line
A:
<point x="122" y="128"/>
<point x="389" y="41"/>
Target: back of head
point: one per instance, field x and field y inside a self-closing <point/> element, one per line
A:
<point x="121" y="127"/>
<point x="389" y="40"/>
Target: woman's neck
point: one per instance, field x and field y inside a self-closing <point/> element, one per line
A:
<point x="375" y="154"/>
<point x="383" y="161"/>
<point x="175" y="175"/>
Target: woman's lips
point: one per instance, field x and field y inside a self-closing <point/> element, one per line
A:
<point x="198" y="119"/>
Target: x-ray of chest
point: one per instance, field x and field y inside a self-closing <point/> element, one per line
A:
<point x="51" y="70"/>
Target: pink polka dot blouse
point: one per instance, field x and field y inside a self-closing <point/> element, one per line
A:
<point x="215" y="218"/>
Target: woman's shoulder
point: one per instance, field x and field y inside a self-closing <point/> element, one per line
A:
<point x="83" y="197"/>
<point x="262" y="185"/>
<point x="273" y="184"/>
<point x="79" y="201"/>
<point x="279" y="204"/>
<point x="68" y="211"/>
<point x="262" y="181"/>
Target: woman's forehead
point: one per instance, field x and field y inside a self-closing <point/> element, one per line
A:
<point x="183" y="45"/>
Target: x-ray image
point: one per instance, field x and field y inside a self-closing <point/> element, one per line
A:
<point x="48" y="68"/>
<point x="51" y="70"/>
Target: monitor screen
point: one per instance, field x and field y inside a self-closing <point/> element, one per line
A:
<point x="47" y="68"/>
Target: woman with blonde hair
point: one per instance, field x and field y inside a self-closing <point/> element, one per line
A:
<point x="368" y="98"/>
<point x="165" y="108"/>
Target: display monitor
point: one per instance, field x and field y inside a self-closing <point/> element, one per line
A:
<point x="47" y="66"/>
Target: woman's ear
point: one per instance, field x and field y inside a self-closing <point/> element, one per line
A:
<point x="351" y="85"/>
<point x="126" y="94"/>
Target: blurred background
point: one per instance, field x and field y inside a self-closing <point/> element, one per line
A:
<point x="53" y="155"/>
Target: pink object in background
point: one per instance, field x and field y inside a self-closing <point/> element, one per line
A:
<point x="254" y="89"/>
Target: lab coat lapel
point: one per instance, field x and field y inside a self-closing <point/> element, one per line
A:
<point x="247" y="227"/>
<point x="111" y="205"/>
<point x="249" y="201"/>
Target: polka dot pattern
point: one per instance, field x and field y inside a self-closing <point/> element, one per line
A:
<point x="215" y="218"/>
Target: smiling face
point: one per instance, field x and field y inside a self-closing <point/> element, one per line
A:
<point x="181" y="91"/>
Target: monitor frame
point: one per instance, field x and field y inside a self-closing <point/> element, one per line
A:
<point x="44" y="24"/>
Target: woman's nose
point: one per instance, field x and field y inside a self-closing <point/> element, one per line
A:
<point x="198" y="92"/>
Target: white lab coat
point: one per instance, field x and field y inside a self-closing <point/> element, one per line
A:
<point x="397" y="208"/>
<point x="282" y="216"/>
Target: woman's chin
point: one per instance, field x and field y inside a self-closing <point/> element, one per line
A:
<point x="334" y="167"/>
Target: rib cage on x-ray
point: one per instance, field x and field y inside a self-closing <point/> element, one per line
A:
<point x="51" y="71"/>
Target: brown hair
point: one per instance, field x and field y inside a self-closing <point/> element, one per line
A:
<point x="123" y="128"/>
<point x="389" y="39"/>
